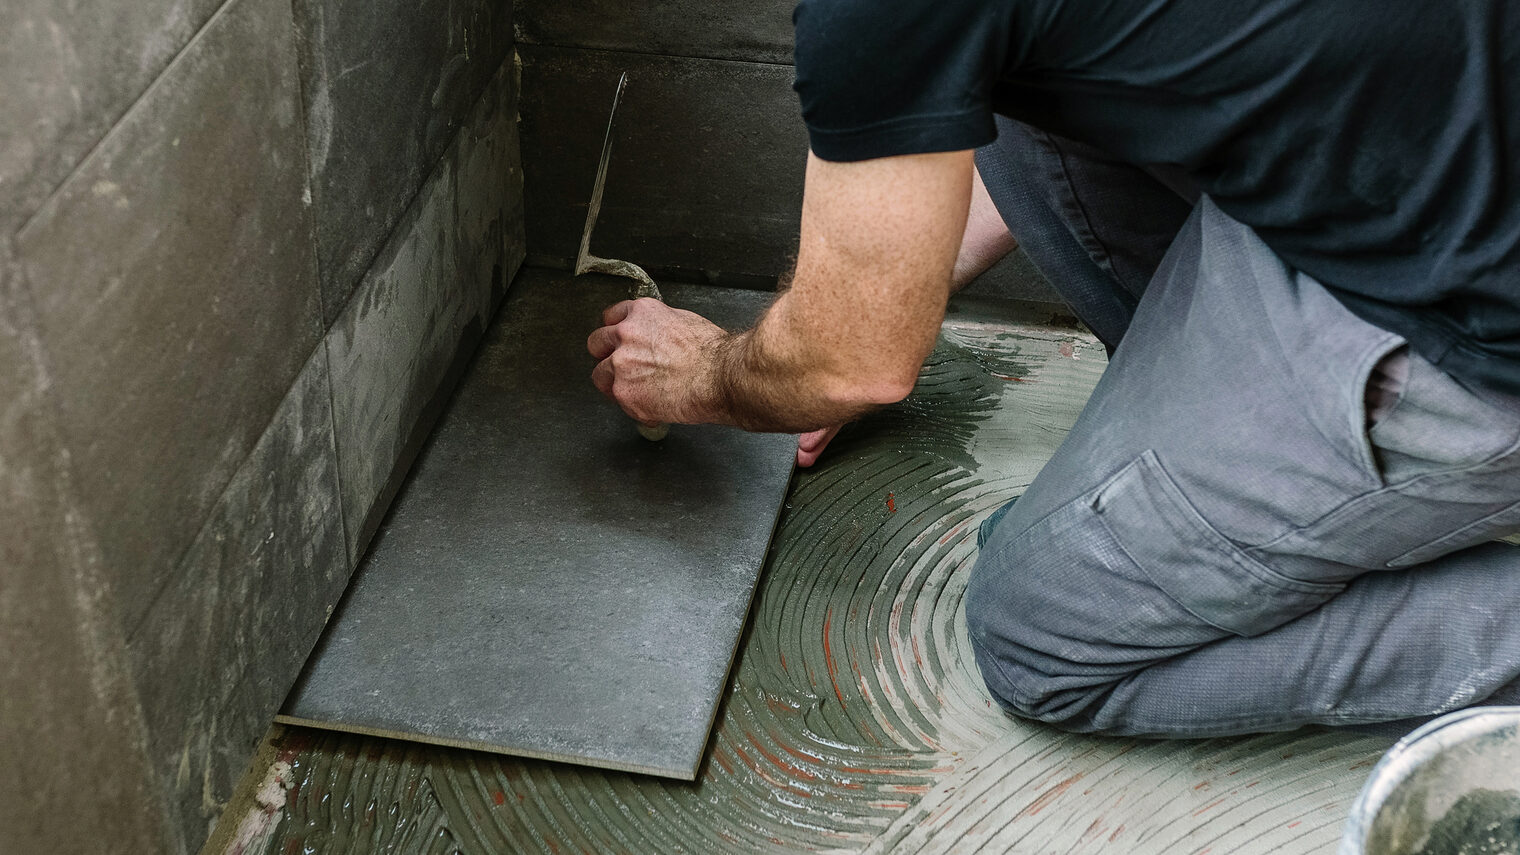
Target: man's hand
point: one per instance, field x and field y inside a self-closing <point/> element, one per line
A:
<point x="810" y="445"/>
<point x="879" y="239"/>
<point x="657" y="362"/>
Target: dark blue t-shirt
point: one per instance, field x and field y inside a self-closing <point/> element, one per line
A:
<point x="1372" y="145"/>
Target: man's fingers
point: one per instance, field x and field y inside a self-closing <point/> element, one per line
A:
<point x="603" y="342"/>
<point x="606" y="339"/>
<point x="601" y="377"/>
<point x="615" y="313"/>
<point x="810" y="445"/>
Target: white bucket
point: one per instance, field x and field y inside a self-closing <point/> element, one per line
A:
<point x="1468" y="761"/>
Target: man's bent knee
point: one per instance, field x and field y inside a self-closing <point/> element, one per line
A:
<point x="1058" y="618"/>
<point x="1046" y="681"/>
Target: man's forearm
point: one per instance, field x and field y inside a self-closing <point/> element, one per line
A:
<point x="757" y="388"/>
<point x="865" y="304"/>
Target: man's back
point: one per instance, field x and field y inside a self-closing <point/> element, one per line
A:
<point x="1372" y="147"/>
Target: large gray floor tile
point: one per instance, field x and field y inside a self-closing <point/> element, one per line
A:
<point x="549" y="583"/>
<point x="706" y="169"/>
<point x="176" y="290"/>
<point x="71" y="70"/>
<point x="222" y="645"/>
<point x="403" y="339"/>
<point x="387" y="86"/>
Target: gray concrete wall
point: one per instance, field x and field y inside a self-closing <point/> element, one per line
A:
<point x="245" y="248"/>
<point x="705" y="182"/>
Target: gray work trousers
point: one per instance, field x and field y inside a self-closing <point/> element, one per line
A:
<point x="1224" y="544"/>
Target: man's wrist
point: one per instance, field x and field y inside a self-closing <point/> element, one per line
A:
<point x="718" y="393"/>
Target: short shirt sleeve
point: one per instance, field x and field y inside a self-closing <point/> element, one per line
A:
<point x="905" y="77"/>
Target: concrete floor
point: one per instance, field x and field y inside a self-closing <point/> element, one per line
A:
<point x="855" y="720"/>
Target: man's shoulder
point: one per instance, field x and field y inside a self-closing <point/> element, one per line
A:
<point x="912" y="80"/>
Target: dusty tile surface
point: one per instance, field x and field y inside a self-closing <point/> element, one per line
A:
<point x="225" y="640"/>
<point x="549" y="583"/>
<point x="72" y="724"/>
<point x="176" y="292"/>
<point x="71" y="70"/>
<point x="855" y="720"/>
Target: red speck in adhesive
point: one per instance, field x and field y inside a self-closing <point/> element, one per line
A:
<point x="891" y="505"/>
<point x="499" y="797"/>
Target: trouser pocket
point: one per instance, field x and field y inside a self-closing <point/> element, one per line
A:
<point x="1448" y="459"/>
<point x="1187" y="558"/>
<point x="1123" y="576"/>
<point x="1440" y="426"/>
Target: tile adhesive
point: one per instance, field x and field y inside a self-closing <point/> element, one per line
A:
<point x="855" y="719"/>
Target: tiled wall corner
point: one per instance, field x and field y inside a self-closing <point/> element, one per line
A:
<point x="172" y="522"/>
<point x="223" y="643"/>
<point x="402" y="340"/>
<point x="706" y="169"/>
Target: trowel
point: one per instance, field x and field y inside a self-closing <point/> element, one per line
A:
<point x="585" y="262"/>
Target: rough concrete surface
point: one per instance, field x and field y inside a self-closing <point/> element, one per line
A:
<point x="706" y="169"/>
<point x="388" y="84"/>
<point x="855" y="720"/>
<point x="402" y="340"/>
<point x="72" y="725"/>
<point x="754" y="32"/>
<point x="548" y="583"/>
<point x="222" y="644"/>
<point x="71" y="70"/>
<point x="176" y="290"/>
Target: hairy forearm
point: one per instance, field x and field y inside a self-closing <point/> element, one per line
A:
<point x="864" y="306"/>
<point x="758" y="389"/>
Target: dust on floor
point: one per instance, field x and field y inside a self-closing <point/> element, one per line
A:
<point x="855" y="720"/>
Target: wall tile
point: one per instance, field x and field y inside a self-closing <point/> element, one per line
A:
<point x="224" y="642"/>
<point x="72" y="743"/>
<point x="70" y="71"/>
<point x="176" y="290"/>
<point x="404" y="338"/>
<point x="488" y="194"/>
<point x="707" y="160"/>
<point x="753" y="31"/>
<point x="387" y="86"/>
